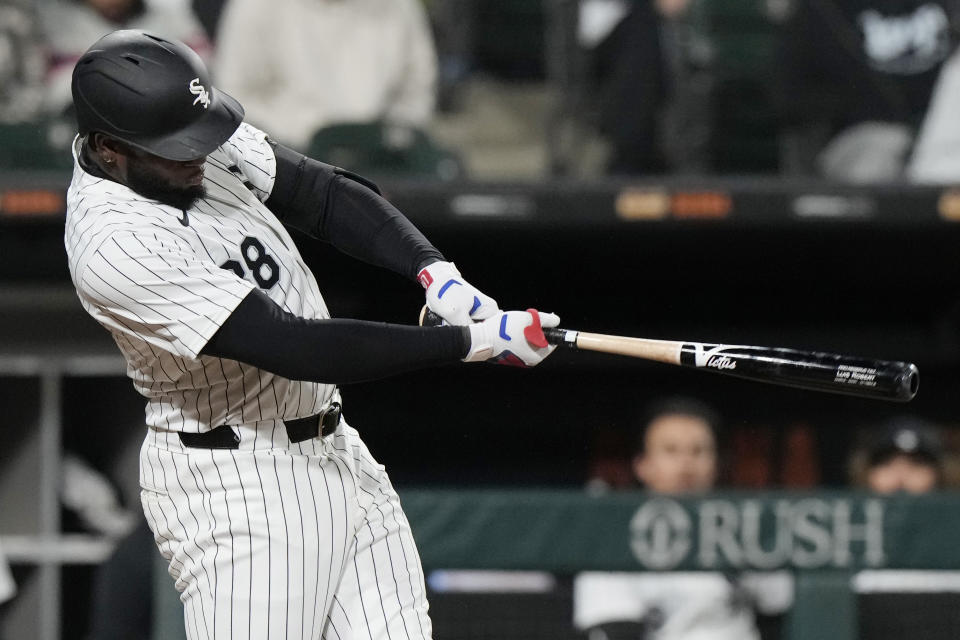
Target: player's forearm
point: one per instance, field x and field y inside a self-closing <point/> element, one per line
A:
<point x="327" y="203"/>
<point x="261" y="334"/>
<point x="365" y="226"/>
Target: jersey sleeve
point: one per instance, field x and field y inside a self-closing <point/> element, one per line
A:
<point x="156" y="288"/>
<point x="249" y="150"/>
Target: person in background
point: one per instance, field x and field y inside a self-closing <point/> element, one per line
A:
<point x="339" y="61"/>
<point x="677" y="448"/>
<point x="906" y="456"/>
<point x="8" y="588"/>
<point x="632" y="47"/>
<point x="71" y="26"/>
<point x="935" y="158"/>
<point x="857" y="78"/>
<point x="208" y="13"/>
<point x="676" y="455"/>
<point x="22" y="63"/>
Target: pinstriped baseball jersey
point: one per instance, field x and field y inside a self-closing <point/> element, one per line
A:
<point x="162" y="281"/>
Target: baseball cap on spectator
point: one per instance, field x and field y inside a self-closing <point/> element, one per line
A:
<point x="908" y="436"/>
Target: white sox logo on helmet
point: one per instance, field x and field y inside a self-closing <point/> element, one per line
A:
<point x="197" y="89"/>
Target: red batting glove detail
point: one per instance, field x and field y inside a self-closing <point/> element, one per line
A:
<point x="510" y="360"/>
<point x="424" y="278"/>
<point x="534" y="332"/>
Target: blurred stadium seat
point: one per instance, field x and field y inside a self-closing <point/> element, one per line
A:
<point x="380" y="149"/>
<point x="35" y="145"/>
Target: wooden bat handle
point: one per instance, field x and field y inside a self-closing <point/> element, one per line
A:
<point x="667" y="351"/>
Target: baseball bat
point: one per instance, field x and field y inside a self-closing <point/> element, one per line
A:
<point x="812" y="370"/>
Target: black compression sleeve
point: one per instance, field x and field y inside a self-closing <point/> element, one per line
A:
<point x="261" y="334"/>
<point x="346" y="210"/>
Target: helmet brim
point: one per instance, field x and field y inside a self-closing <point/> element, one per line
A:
<point x="201" y="137"/>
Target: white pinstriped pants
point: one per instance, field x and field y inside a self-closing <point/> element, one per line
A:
<point x="280" y="540"/>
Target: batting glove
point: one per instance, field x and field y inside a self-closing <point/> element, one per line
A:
<point x="452" y="298"/>
<point x="512" y="337"/>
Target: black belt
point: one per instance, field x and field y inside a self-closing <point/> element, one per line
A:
<point x="298" y="430"/>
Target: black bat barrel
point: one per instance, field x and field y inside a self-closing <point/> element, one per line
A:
<point x="819" y="371"/>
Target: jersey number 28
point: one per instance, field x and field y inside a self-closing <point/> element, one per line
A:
<point x="263" y="267"/>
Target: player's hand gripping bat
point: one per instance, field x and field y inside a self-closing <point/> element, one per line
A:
<point x="814" y="370"/>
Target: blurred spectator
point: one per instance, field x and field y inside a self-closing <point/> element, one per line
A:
<point x="454" y="25"/>
<point x="71" y="26"/>
<point x="857" y="79"/>
<point x="338" y="61"/>
<point x="7" y="586"/>
<point x="677" y="448"/>
<point x="936" y="154"/>
<point x="906" y="455"/>
<point x="208" y="12"/>
<point x="676" y="454"/>
<point x="8" y="589"/>
<point x="633" y="53"/>
<point x="22" y="63"/>
<point x="91" y="499"/>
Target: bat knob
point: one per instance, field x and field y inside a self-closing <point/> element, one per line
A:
<point x="429" y="318"/>
<point x="908" y="382"/>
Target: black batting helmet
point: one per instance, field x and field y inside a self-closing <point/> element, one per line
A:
<point x="154" y="94"/>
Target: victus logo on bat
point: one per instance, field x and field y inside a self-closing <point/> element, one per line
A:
<point x="712" y="356"/>
<point x="805" y="533"/>
<point x="203" y="96"/>
<point x="722" y="362"/>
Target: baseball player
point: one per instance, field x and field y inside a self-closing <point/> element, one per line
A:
<point x="276" y="520"/>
